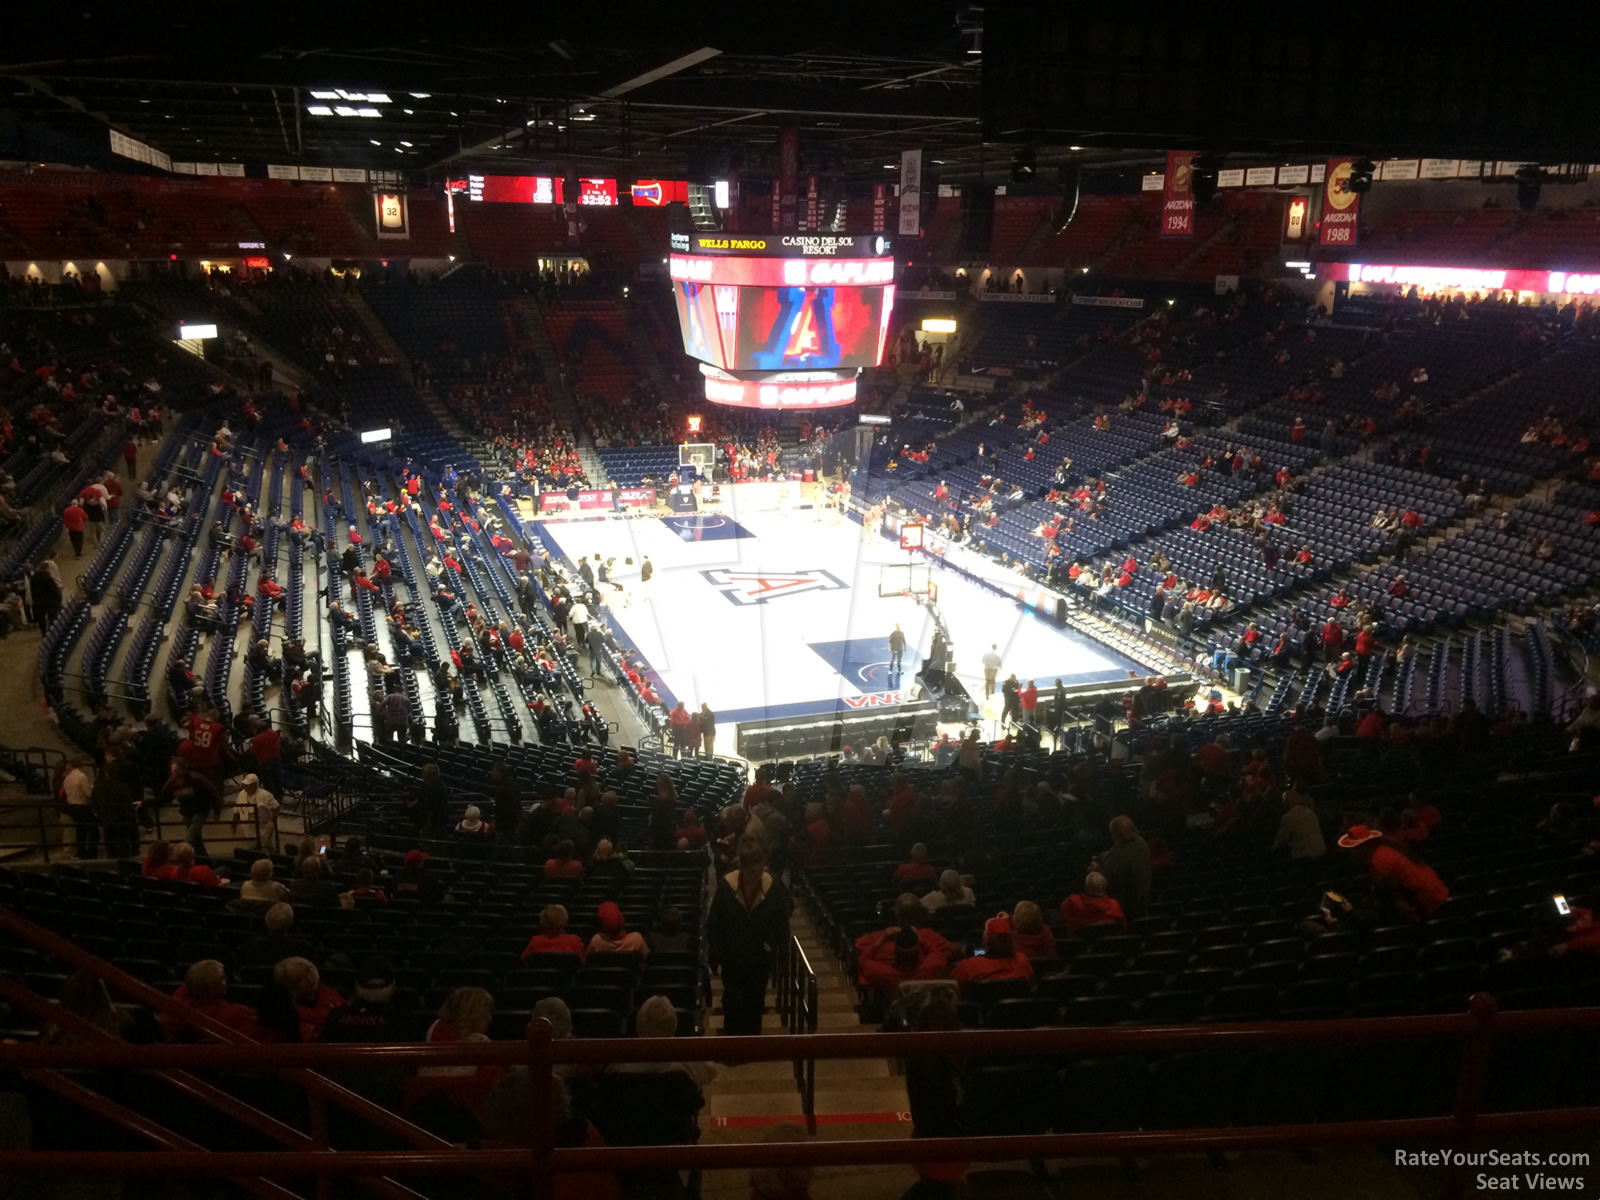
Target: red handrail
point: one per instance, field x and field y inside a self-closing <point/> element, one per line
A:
<point x="142" y="993"/>
<point x="540" y="1054"/>
<point x="183" y="1081"/>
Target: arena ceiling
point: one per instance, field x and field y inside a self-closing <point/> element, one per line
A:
<point x="546" y="88"/>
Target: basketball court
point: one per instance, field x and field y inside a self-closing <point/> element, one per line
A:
<point x="785" y="612"/>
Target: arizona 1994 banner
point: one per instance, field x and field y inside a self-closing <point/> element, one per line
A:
<point x="1177" y="195"/>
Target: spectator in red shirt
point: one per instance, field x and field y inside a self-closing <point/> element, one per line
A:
<point x="690" y="833"/>
<point x="890" y="957"/>
<point x="902" y="804"/>
<point x="855" y="815"/>
<point x="1412" y="888"/>
<point x="1399" y="587"/>
<point x="998" y="960"/>
<point x="1582" y="935"/>
<point x="918" y="870"/>
<point x="205" y="992"/>
<point x="1029" y="699"/>
<point x="680" y="721"/>
<point x="1366" y="642"/>
<point x="1092" y="906"/>
<point x="1029" y="933"/>
<point x="74" y="518"/>
<point x="184" y="869"/>
<point x="313" y="999"/>
<point x="563" y="865"/>
<point x="553" y="937"/>
<point x="1332" y="640"/>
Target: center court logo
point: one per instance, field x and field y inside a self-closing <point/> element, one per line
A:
<point x="745" y="587"/>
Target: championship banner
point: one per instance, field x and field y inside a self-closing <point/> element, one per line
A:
<point x="910" y="193"/>
<point x="1177" y="195"/>
<point x="811" y="203"/>
<point x="788" y="173"/>
<point x="880" y="199"/>
<point x="777" y="205"/>
<point x="1340" y="206"/>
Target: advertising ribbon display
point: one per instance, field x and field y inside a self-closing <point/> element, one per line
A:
<point x="1340" y="205"/>
<point x="1177" y="195"/>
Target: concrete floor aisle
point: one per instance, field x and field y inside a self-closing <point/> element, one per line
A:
<point x="857" y="1099"/>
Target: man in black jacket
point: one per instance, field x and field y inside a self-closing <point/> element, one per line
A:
<point x="432" y="807"/>
<point x="748" y="927"/>
<point x="507" y="798"/>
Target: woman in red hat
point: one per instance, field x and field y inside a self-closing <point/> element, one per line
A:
<point x="1414" y="888"/>
<point x="613" y="936"/>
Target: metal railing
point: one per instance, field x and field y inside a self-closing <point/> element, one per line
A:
<point x="43" y="825"/>
<point x="795" y="997"/>
<point x="540" y="1160"/>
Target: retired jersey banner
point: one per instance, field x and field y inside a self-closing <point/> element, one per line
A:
<point x="880" y="199"/>
<point x="1340" y="206"/>
<point x="1177" y="195"/>
<point x="788" y="175"/>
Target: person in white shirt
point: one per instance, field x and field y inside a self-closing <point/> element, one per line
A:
<point x="75" y="789"/>
<point x="991" y="668"/>
<point x="261" y="806"/>
<point x="579" y="617"/>
<point x="1299" y="828"/>
<point x="951" y="893"/>
<point x="1329" y="730"/>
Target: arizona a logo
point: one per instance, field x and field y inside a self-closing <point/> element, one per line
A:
<point x="749" y="586"/>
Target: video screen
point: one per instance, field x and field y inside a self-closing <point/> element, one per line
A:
<point x="783" y="328"/>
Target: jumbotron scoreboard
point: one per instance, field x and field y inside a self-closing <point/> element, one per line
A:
<point x="783" y="320"/>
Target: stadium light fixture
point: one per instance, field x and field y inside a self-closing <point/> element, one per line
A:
<point x="286" y="256"/>
<point x="352" y="97"/>
<point x="319" y="110"/>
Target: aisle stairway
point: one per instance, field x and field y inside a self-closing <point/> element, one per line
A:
<point x="532" y="323"/>
<point x="744" y="1102"/>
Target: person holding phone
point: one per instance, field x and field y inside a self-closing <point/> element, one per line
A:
<point x="998" y="959"/>
<point x="1582" y="930"/>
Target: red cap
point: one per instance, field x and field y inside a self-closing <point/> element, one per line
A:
<point x="415" y="858"/>
<point x="610" y="916"/>
<point x="998" y="924"/>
